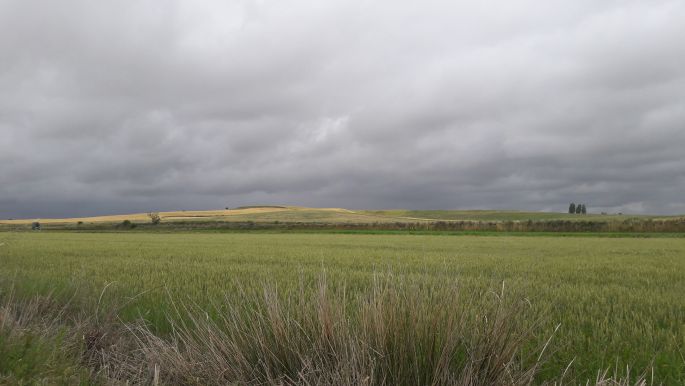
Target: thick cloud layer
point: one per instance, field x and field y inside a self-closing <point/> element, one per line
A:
<point x="147" y="105"/>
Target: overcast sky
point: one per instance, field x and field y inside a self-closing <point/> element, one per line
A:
<point x="125" y="106"/>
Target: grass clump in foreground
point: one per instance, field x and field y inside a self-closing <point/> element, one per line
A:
<point x="398" y="333"/>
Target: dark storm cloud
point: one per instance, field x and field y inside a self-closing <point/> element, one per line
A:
<point x="138" y="105"/>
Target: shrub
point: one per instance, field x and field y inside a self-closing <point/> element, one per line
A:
<point x="127" y="224"/>
<point x="154" y="217"/>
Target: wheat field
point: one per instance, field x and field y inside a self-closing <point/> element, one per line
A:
<point x="617" y="302"/>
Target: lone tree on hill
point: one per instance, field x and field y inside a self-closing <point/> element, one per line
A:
<point x="572" y="208"/>
<point x="154" y="217"/>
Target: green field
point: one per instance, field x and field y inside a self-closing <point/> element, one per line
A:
<point x="618" y="301"/>
<point x="499" y="215"/>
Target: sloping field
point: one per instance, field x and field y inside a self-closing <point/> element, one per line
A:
<point x="264" y="213"/>
<point x="499" y="215"/>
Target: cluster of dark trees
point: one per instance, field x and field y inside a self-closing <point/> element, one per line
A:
<point x="577" y="209"/>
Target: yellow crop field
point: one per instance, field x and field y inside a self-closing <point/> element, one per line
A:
<point x="175" y="215"/>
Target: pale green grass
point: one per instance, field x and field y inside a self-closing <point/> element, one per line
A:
<point x="502" y="215"/>
<point x="619" y="301"/>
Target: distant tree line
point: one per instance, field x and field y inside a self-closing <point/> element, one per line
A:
<point x="618" y="224"/>
<point x="626" y="225"/>
<point x="577" y="209"/>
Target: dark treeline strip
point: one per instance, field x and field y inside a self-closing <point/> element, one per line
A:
<point x="632" y="225"/>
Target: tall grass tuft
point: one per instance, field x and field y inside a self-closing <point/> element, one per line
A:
<point x="400" y="333"/>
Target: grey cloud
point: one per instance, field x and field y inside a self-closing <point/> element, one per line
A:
<point x="138" y="105"/>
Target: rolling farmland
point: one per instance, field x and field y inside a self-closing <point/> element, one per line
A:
<point x="290" y="218"/>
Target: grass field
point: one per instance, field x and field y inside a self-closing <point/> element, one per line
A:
<point x="500" y="215"/>
<point x="618" y="301"/>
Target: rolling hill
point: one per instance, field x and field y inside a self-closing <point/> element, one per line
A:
<point x="295" y="214"/>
